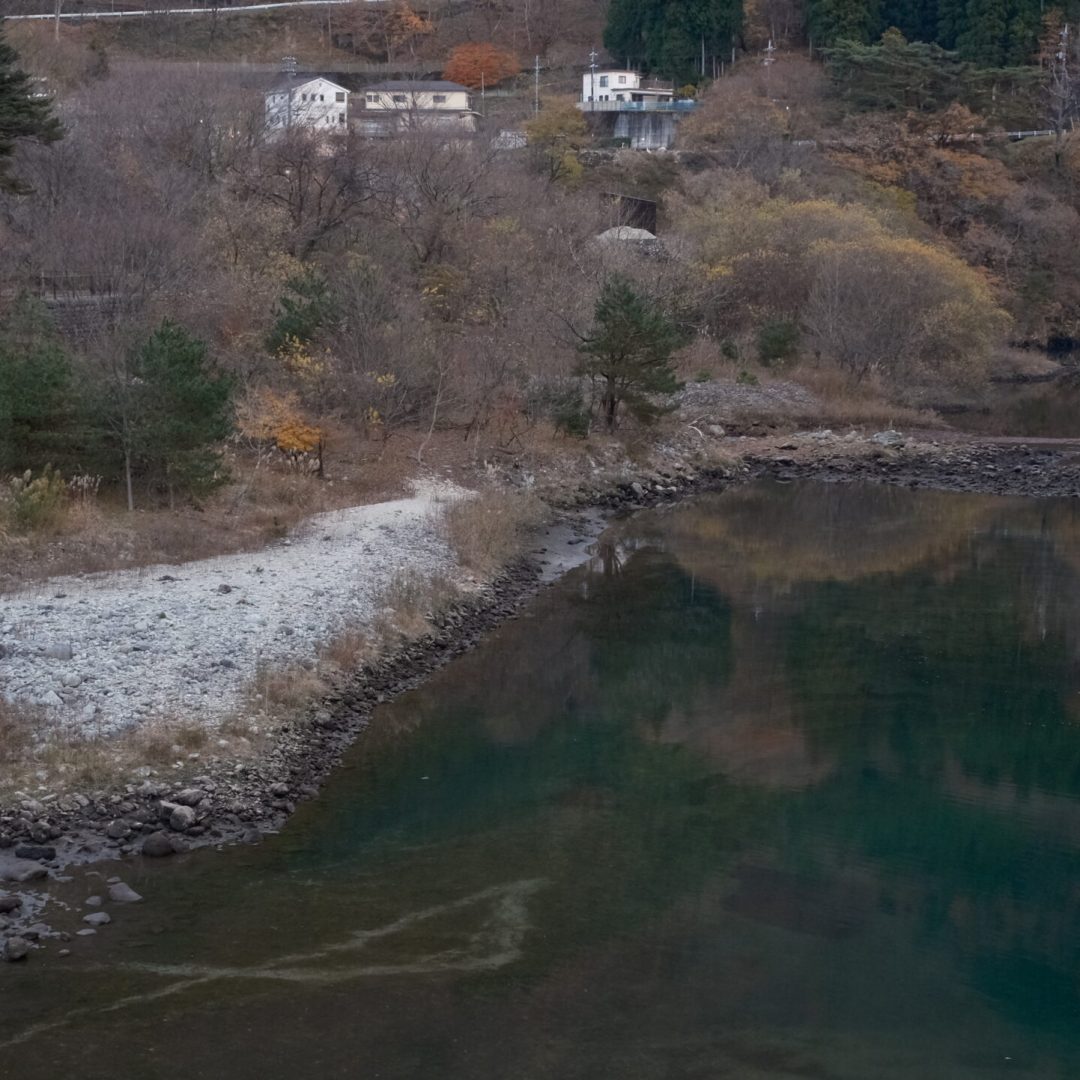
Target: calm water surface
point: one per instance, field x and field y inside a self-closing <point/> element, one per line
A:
<point x="784" y="785"/>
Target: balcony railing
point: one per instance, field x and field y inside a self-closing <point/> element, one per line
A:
<point x="637" y="106"/>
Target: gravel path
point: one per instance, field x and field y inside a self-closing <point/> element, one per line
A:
<point x="105" y="651"/>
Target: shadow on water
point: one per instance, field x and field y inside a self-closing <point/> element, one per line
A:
<point x="784" y="784"/>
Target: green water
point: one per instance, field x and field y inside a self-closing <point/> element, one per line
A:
<point x="783" y="785"/>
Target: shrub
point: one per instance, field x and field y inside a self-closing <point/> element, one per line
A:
<point x="777" y="340"/>
<point x="37" y="502"/>
<point x="563" y="404"/>
<point x="490" y="530"/>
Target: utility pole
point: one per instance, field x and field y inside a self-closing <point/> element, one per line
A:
<point x="592" y="75"/>
<point x="56" y="22"/>
<point x="288" y="66"/>
<point x="536" y="85"/>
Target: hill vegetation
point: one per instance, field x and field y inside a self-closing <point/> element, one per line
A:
<point x="188" y="308"/>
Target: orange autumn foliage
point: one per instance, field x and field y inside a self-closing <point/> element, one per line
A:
<point x="480" y="64"/>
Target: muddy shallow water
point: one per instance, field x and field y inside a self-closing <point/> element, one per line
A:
<point x="783" y="784"/>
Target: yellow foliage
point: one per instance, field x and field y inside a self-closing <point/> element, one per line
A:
<point x="555" y="135"/>
<point x="301" y="362"/>
<point x="266" y="416"/>
<point x="867" y="296"/>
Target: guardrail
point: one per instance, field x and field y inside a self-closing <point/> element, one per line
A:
<point x="637" y="106"/>
<point x="150" y="12"/>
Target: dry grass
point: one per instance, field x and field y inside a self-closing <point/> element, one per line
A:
<point x="36" y="754"/>
<point x="407" y="608"/>
<point x="263" y="502"/>
<point x="491" y="529"/>
<point x="845" y="400"/>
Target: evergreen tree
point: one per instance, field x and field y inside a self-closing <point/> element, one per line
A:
<point x="303" y="311"/>
<point x="667" y="37"/>
<point x="830" y="21"/>
<point x="22" y="115"/>
<point x="624" y="35"/>
<point x="951" y="20"/>
<point x="627" y="356"/>
<point x="900" y="75"/>
<point x="982" y="39"/>
<point x="917" y="20"/>
<point x="35" y="389"/>
<point x="172" y="412"/>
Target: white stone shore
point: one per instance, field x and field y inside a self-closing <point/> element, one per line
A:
<point x="103" y="652"/>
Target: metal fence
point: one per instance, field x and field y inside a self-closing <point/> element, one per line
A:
<point x="637" y="106"/>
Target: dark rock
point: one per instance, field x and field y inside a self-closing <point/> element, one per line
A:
<point x="41" y="852"/>
<point x="157" y="845"/>
<point x="117" y="830"/>
<point x="181" y="818"/>
<point x="10" y="903"/>
<point x="16" y="948"/>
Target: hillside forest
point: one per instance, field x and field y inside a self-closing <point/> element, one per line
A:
<point x="188" y="305"/>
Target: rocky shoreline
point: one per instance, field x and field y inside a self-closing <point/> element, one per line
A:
<point x="243" y="802"/>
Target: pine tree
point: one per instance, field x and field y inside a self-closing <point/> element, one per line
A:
<point x="667" y="37"/>
<point x="830" y="21"/>
<point x="35" y="389"/>
<point x="627" y="355"/>
<point x="624" y="35"/>
<point x="172" y="412"/>
<point x="22" y="115"/>
<point x="982" y="39"/>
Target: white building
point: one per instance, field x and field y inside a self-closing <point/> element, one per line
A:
<point x="389" y="106"/>
<point x="308" y="101"/>
<point x="622" y="85"/>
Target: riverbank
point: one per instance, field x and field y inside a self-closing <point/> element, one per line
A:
<point x="223" y="801"/>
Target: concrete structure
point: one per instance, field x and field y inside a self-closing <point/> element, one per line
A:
<point x="642" y="114"/>
<point x="437" y="104"/>
<point x="308" y="101"/>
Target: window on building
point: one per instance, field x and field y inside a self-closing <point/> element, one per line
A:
<point x="322" y="97"/>
<point x="373" y="98"/>
<point x="340" y="95"/>
<point x="439" y="99"/>
<point x="622" y="80"/>
<point x="399" y="99"/>
<point x="303" y="97"/>
<point x="341" y="118"/>
<point x="603" y="80"/>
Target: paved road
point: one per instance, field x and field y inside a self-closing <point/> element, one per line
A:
<point x="183" y="11"/>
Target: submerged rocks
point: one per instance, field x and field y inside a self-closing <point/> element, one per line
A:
<point x="21" y="871"/>
<point x="41" y="852"/>
<point x="15" y="949"/>
<point x="122" y="893"/>
<point x="158" y="845"/>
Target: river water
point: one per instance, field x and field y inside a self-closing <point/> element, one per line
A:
<point x="784" y="784"/>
